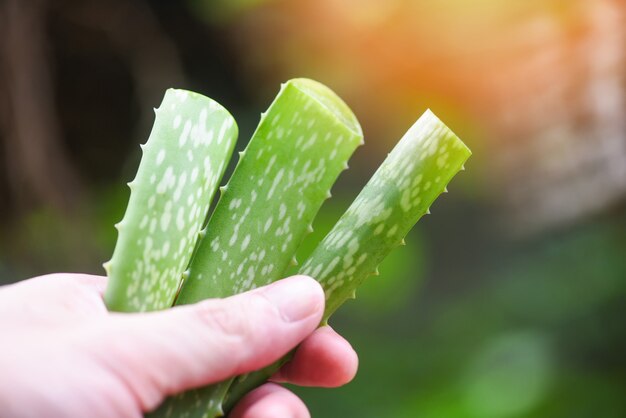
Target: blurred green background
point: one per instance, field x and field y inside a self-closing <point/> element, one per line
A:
<point x="509" y="301"/>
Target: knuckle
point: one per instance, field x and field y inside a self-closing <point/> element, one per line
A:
<point x="237" y="317"/>
<point x="227" y="322"/>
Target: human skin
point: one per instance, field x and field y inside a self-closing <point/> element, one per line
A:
<point x="64" y="355"/>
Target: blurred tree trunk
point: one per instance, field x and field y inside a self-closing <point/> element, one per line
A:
<point x="35" y="140"/>
<point x="133" y="28"/>
<point x="39" y="171"/>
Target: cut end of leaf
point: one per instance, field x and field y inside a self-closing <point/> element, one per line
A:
<point x="329" y="100"/>
<point x="429" y="117"/>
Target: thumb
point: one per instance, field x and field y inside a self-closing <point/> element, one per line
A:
<point x="162" y="353"/>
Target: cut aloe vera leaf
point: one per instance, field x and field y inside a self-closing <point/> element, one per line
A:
<point x="300" y="147"/>
<point x="401" y="191"/>
<point x="181" y="167"/>
<point x="302" y="143"/>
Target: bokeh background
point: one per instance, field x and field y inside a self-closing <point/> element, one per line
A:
<point x="509" y="301"/>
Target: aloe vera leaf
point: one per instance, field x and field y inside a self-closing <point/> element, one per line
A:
<point x="298" y="150"/>
<point x="204" y="402"/>
<point x="401" y="191"/>
<point x="181" y="167"/>
<point x="300" y="146"/>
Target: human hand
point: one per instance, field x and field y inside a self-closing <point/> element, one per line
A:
<point x="64" y="355"/>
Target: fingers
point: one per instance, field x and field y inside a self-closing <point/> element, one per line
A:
<point x="270" y="401"/>
<point x="324" y="359"/>
<point x="162" y="353"/>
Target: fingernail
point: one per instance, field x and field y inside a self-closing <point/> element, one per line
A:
<point x="296" y="298"/>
